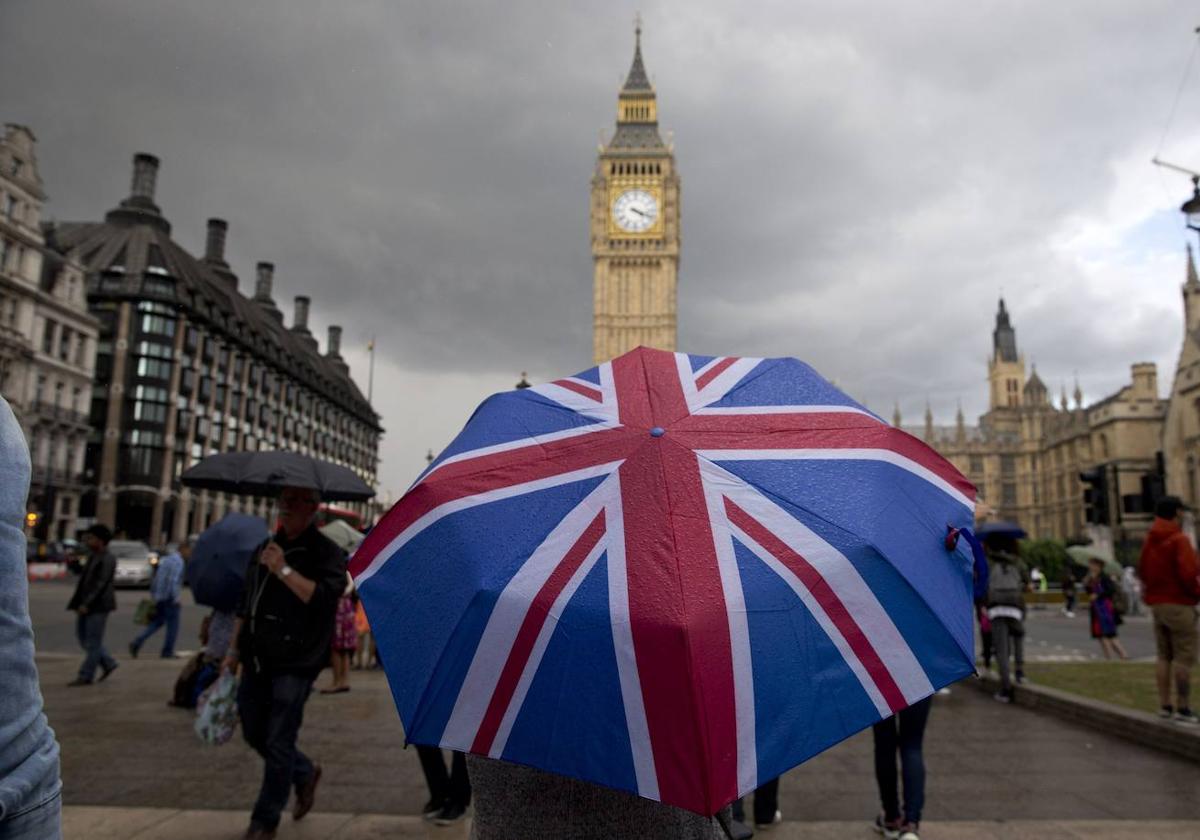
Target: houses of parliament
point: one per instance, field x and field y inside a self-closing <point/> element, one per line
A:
<point x="1031" y="456"/>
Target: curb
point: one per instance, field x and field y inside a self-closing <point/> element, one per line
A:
<point x="1141" y="728"/>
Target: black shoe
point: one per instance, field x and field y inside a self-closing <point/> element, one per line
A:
<point x="78" y="681"/>
<point x="452" y="813"/>
<point x="306" y="794"/>
<point x="133" y="650"/>
<point x="432" y="808"/>
<point x="104" y="672"/>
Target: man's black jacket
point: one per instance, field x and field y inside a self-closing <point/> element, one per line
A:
<point x="280" y="633"/>
<point x="95" y="587"/>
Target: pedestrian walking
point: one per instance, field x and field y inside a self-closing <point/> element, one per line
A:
<point x="282" y="641"/>
<point x="345" y="639"/>
<point x="902" y="734"/>
<point x="165" y="590"/>
<point x="1068" y="591"/>
<point x="1133" y="589"/>
<point x="1103" y="610"/>
<point x="364" y="653"/>
<point x="30" y="787"/>
<point x="93" y="600"/>
<point x="1008" y="581"/>
<point x="1171" y="588"/>
<point x="449" y="792"/>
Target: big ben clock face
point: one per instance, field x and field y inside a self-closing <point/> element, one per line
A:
<point x="635" y="211"/>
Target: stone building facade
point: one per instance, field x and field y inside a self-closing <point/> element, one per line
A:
<point x="1026" y="454"/>
<point x="1181" y="432"/>
<point x="47" y="341"/>
<point x="188" y="366"/>
<point x="635" y="227"/>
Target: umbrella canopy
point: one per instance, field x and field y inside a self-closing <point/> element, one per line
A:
<point x="1000" y="529"/>
<point x="1082" y="555"/>
<point x="266" y="473"/>
<point x="343" y="535"/>
<point x="674" y="575"/>
<point x="217" y="568"/>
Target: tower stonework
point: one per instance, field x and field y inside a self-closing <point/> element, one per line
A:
<point x="635" y="227"/>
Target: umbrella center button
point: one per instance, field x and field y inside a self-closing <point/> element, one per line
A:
<point x="657" y="431"/>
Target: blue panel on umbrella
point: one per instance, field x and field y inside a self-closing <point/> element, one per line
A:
<point x="512" y="415"/>
<point x="429" y="606"/>
<point x="806" y="697"/>
<point x="573" y="717"/>
<point x="888" y="507"/>
<point x="699" y="361"/>
<point x="785" y="382"/>
<point x="590" y="375"/>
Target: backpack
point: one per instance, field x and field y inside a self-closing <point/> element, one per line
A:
<point x="1004" y="584"/>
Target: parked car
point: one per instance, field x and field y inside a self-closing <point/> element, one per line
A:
<point x="135" y="562"/>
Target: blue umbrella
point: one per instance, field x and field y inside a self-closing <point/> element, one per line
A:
<point x="1000" y="529"/>
<point x="217" y="569"/>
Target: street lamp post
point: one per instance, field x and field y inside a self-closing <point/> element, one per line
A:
<point x="1191" y="207"/>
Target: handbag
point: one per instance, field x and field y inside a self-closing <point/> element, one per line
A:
<point x="216" y="711"/>
<point x="144" y="612"/>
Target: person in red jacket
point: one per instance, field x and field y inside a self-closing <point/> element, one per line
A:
<point x="1169" y="573"/>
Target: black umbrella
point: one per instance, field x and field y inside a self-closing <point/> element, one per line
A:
<point x="266" y="473"/>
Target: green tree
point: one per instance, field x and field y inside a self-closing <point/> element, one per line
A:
<point x="1049" y="555"/>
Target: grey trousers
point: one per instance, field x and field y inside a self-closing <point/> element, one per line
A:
<point x="1004" y="631"/>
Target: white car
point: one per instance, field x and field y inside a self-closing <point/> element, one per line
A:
<point x="135" y="563"/>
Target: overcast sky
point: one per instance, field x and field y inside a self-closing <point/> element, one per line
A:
<point x="861" y="181"/>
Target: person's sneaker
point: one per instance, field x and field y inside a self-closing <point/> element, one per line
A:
<point x="1002" y="697"/>
<point x="909" y="832"/>
<point x="944" y="691"/>
<point x="452" y="813"/>
<point x="776" y="819"/>
<point x="258" y="832"/>
<point x="1166" y="712"/>
<point x="1187" y="717"/>
<point x="889" y="829"/>
<point x="432" y="808"/>
<point x="1020" y="678"/>
<point x="306" y="794"/>
<point x="133" y="650"/>
<point x="78" y="681"/>
<point x="104" y="672"/>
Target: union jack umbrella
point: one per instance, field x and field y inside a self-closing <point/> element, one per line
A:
<point x="674" y="575"/>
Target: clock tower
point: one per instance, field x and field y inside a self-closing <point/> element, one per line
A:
<point x="634" y="226"/>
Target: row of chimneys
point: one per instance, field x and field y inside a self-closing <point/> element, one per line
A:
<point x="145" y="177"/>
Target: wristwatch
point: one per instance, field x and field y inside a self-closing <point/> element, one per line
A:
<point x="285" y="571"/>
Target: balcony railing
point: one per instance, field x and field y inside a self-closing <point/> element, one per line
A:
<point x="61" y="413"/>
<point x="54" y="476"/>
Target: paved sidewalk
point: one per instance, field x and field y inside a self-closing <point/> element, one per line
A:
<point x="123" y="747"/>
<point x="99" y="823"/>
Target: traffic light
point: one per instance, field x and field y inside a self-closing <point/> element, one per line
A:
<point x="1095" y="496"/>
<point x="31" y="519"/>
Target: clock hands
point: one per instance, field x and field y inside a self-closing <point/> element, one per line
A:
<point x="639" y="212"/>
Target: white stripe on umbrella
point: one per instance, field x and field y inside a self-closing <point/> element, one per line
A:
<point x="473" y="501"/>
<point x="627" y="668"/>
<point x="506" y="619"/>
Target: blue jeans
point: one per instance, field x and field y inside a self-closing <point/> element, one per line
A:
<point x="41" y="822"/>
<point x="904" y="732"/>
<point x="29" y="783"/>
<point x="89" y="629"/>
<point x="165" y="612"/>
<point x="271" y="707"/>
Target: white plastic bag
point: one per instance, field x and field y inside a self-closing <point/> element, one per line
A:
<point x="216" y="711"/>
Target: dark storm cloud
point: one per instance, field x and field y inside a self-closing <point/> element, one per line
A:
<point x="860" y="181"/>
